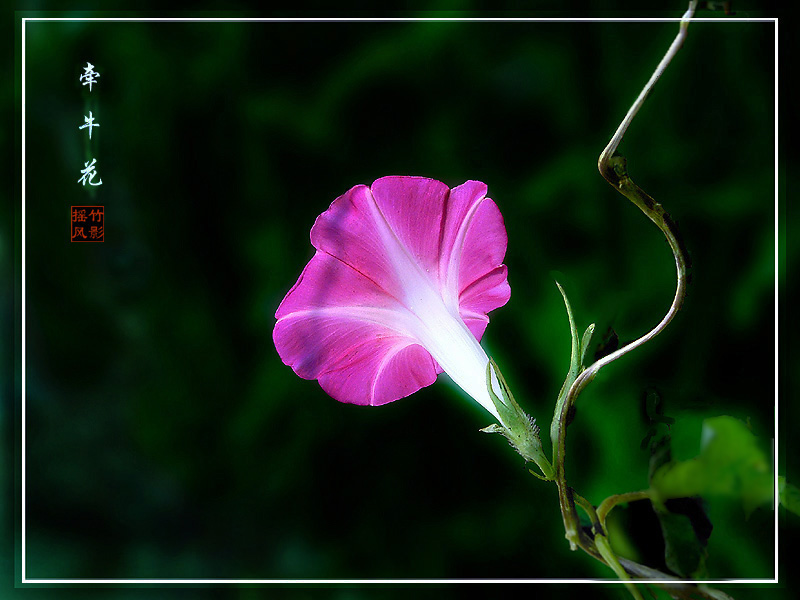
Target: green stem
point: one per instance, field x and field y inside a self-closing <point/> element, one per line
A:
<point x="587" y="507"/>
<point x="609" y="503"/>
<point x="613" y="169"/>
<point x="612" y="561"/>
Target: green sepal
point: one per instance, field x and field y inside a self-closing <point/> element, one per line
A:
<point x="519" y="429"/>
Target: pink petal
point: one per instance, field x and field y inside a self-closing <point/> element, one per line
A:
<point x="326" y="281"/>
<point x="487" y="293"/>
<point x="401" y="371"/>
<point x="462" y="204"/>
<point x="413" y="208"/>
<point x="338" y="326"/>
<point x="474" y="243"/>
<point x="483" y="252"/>
<point x="350" y="231"/>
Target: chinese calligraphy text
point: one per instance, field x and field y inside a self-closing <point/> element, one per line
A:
<point x="87" y="223"/>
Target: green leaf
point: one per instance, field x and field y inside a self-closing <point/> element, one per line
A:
<point x="585" y="341"/>
<point x="684" y="523"/>
<point x="730" y="463"/>
<point x="686" y="530"/>
<point x="575" y="364"/>
<point x="575" y="354"/>
<point x="789" y="496"/>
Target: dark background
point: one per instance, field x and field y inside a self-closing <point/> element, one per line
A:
<point x="165" y="438"/>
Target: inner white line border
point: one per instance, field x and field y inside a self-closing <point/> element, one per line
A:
<point x="25" y="580"/>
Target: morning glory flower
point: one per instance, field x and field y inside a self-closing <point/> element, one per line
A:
<point x="404" y="275"/>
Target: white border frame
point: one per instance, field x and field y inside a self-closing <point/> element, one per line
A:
<point x="25" y="580"/>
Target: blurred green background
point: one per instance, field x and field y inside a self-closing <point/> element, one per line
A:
<point x="165" y="438"/>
